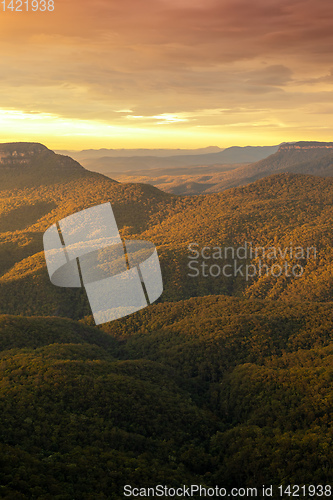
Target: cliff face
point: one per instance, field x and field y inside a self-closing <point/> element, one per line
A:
<point x="306" y="146"/>
<point x="304" y="157"/>
<point x="20" y="153"/>
<point x="23" y="164"/>
<point x="34" y="156"/>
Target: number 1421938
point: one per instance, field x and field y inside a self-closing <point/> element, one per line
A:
<point x="28" y="5"/>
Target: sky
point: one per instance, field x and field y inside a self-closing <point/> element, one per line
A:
<point x="167" y="73"/>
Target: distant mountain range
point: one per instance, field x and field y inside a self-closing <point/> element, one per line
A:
<point x="119" y="153"/>
<point x="110" y="164"/>
<point x="313" y="158"/>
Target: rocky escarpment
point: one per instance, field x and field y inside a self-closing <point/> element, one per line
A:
<point x="305" y="157"/>
<point x="23" y="164"/>
<point x="19" y="153"/>
<point x="291" y="154"/>
<point x="306" y="146"/>
<point x="28" y="154"/>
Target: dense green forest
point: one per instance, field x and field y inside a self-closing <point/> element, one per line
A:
<point x="211" y="391"/>
<point x="224" y="381"/>
<point x="278" y="211"/>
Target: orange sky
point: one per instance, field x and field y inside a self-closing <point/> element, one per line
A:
<point x="167" y="73"/>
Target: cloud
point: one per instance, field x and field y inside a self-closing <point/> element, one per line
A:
<point x="175" y="63"/>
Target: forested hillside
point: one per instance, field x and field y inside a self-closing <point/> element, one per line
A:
<point x="224" y="381"/>
<point x="280" y="210"/>
<point x="209" y="391"/>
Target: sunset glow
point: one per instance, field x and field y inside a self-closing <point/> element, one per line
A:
<point x="166" y="73"/>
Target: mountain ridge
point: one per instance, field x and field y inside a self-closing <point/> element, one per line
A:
<point x="234" y="154"/>
<point x="97" y="153"/>
<point x="25" y="164"/>
<point x="304" y="157"/>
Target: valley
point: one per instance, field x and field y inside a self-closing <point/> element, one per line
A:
<point x="224" y="380"/>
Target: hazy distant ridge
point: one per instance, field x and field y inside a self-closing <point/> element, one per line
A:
<point x="235" y="154"/>
<point x="304" y="157"/>
<point x="99" y="153"/>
